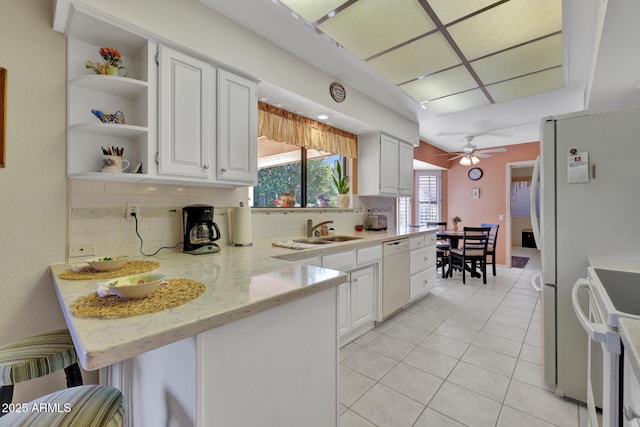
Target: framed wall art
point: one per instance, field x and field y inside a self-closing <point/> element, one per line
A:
<point x="3" y="116"/>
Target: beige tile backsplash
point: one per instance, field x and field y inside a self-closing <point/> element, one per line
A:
<point x="97" y="215"/>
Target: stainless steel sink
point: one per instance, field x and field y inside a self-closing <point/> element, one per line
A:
<point x="340" y="238"/>
<point x="312" y="241"/>
<point x="324" y="240"/>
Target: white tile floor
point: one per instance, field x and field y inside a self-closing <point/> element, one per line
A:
<point x="465" y="355"/>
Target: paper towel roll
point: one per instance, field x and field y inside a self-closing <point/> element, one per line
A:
<point x="240" y="226"/>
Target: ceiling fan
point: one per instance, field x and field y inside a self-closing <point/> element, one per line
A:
<point x="469" y="153"/>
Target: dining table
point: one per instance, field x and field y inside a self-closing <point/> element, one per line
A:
<point x="453" y="236"/>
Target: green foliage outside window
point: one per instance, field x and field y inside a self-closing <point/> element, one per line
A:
<point x="276" y="180"/>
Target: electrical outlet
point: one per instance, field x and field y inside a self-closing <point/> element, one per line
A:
<point x="85" y="250"/>
<point x="133" y="207"/>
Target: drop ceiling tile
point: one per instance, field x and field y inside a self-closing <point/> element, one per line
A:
<point x="422" y="57"/>
<point x="459" y="102"/>
<point x="369" y="27"/>
<point x="528" y="85"/>
<point x="442" y="84"/>
<point x="516" y="62"/>
<point x="312" y="10"/>
<point x="507" y="25"/>
<point x="448" y="10"/>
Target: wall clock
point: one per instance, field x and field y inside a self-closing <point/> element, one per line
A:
<point x="475" y="174"/>
<point x="337" y="91"/>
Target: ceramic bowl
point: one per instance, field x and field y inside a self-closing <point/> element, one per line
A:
<point x="138" y="286"/>
<point x="107" y="263"/>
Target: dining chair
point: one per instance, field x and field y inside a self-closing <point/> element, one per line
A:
<point x="493" y="241"/>
<point x="34" y="357"/>
<point x="472" y="255"/>
<point x="442" y="247"/>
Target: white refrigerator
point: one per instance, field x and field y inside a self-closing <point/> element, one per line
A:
<point x="589" y="187"/>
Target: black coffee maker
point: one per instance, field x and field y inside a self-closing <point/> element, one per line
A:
<point x="200" y="232"/>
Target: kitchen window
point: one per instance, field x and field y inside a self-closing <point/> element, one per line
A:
<point x="428" y="206"/>
<point x="296" y="158"/>
<point x="291" y="176"/>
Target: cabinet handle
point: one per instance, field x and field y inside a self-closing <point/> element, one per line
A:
<point x="425" y="281"/>
<point x="223" y="170"/>
<point x="630" y="414"/>
<point x="205" y="166"/>
<point x="354" y="280"/>
<point x="426" y="258"/>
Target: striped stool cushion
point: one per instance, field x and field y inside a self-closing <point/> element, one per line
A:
<point x="36" y="356"/>
<point x="82" y="406"/>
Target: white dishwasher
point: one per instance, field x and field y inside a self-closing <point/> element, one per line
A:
<point x="395" y="276"/>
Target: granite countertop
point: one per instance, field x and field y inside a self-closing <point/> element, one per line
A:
<point x="240" y="281"/>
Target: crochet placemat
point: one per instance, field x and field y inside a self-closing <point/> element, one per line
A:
<point x="176" y="292"/>
<point x="131" y="267"/>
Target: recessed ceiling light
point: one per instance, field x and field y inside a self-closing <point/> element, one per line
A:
<point x="323" y="116"/>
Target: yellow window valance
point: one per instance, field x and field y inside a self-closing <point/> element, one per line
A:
<point x="290" y="128"/>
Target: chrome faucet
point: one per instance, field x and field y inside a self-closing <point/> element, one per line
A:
<point x="314" y="228"/>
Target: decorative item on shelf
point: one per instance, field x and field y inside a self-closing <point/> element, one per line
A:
<point x="287" y="199"/>
<point x="342" y="185"/>
<point x="115" y="118"/>
<point x="112" y="64"/>
<point x="323" y="201"/>
<point x="359" y="227"/>
<point x="455" y="220"/>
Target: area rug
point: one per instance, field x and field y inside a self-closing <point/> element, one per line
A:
<point x="519" y="261"/>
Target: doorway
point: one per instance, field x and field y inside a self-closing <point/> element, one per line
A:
<point x="515" y="224"/>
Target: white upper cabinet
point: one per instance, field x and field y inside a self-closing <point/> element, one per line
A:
<point x="405" y="169"/>
<point x="385" y="166"/>
<point x="185" y="106"/>
<point x="388" y="165"/>
<point x="237" y="159"/>
<point x="186" y="119"/>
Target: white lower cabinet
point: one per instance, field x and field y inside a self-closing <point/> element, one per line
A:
<point x="358" y="299"/>
<point x="422" y="264"/>
<point x="360" y="294"/>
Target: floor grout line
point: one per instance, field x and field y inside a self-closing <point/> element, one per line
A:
<point x="508" y="287"/>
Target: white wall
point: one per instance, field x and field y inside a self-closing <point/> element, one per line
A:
<point x="33" y="198"/>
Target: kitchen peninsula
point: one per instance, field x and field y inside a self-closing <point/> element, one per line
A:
<point x="259" y="347"/>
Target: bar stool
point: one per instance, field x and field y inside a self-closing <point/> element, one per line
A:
<point x="35" y="357"/>
<point x="82" y="406"/>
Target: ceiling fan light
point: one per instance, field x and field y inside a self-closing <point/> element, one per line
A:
<point x="465" y="161"/>
<point x="475" y="160"/>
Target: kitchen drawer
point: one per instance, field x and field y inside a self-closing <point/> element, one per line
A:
<point x="430" y="239"/>
<point x="343" y="261"/>
<point x="416" y="242"/>
<point x="421" y="283"/>
<point x="369" y="255"/>
<point x="421" y="259"/>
